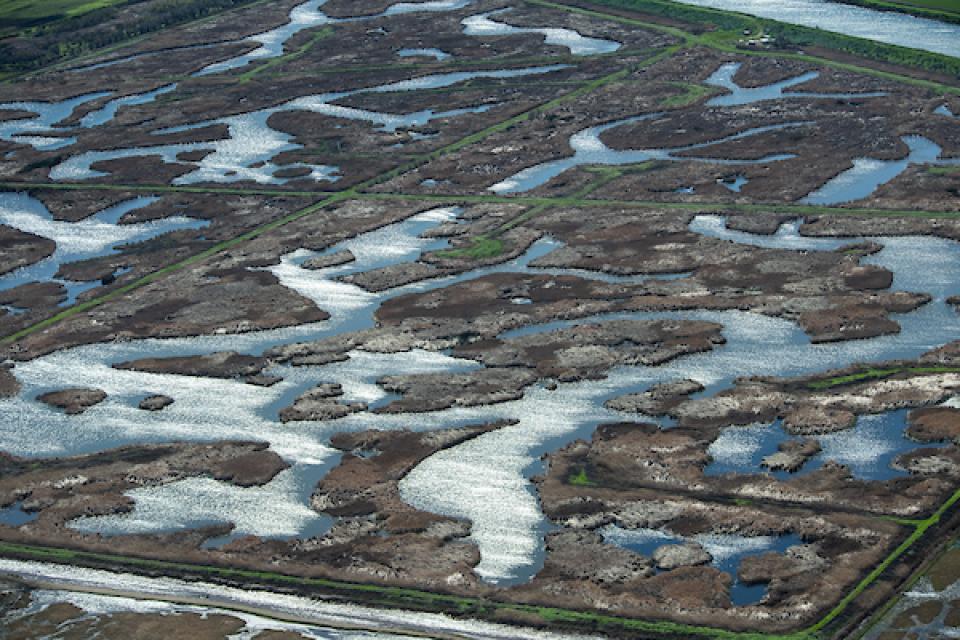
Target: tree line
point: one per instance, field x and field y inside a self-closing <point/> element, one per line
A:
<point x="65" y="38"/>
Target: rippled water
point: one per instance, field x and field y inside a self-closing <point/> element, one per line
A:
<point x="723" y="77"/>
<point x="309" y="16"/>
<point x="247" y="154"/>
<point x="727" y="551"/>
<point x="484" y="25"/>
<point x="868" y="449"/>
<point x="735" y="184"/>
<point x="248" y="151"/>
<point x="484" y="479"/>
<point x="92" y="237"/>
<point x="431" y="52"/>
<point x="855" y="184"/>
<point x="46" y="115"/>
<point x="109" y="110"/>
<point x="944" y="110"/>
<point x="14" y="515"/>
<point x="589" y="149"/>
<point x="867" y="175"/>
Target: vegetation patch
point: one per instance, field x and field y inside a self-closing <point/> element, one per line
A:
<point x="23" y="14"/>
<point x="276" y="62"/>
<point x="873" y="373"/>
<point x="579" y="478"/>
<point x="45" y="163"/>
<point x="690" y="93"/>
<point x="37" y="34"/>
<point x="481" y="247"/>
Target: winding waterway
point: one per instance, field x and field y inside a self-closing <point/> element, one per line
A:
<point x="723" y="77"/>
<point x="859" y="182"/>
<point x="578" y="45"/>
<point x="94" y="237"/>
<point x="309" y="16"/>
<point x="248" y="151"/>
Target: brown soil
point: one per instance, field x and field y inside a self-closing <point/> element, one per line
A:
<point x="73" y="401"/>
<point x="934" y="424"/>
<point x="19" y="249"/>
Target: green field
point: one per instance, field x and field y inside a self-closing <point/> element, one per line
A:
<point x="20" y="14"/>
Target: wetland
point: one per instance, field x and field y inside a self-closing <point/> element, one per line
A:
<point x="477" y="318"/>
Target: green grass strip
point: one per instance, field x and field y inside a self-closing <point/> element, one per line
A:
<point x="875" y="374"/>
<point x="799" y="210"/>
<point x="577" y="200"/>
<point x="26" y="14"/>
<point x="322" y="34"/>
<point x="882" y="612"/>
<point x="692" y="92"/>
<point x="482" y="247"/>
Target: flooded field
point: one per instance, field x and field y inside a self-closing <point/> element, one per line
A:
<point x="521" y="301"/>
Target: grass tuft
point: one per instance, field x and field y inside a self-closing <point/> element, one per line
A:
<point x="481" y="248"/>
